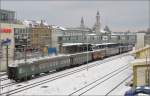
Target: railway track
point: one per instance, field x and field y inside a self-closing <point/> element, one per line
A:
<point x="3" y="79"/>
<point x="7" y="85"/>
<point x="118" y="84"/>
<point x="99" y="81"/>
<point x="22" y="88"/>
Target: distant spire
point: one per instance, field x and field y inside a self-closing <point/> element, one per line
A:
<point x="82" y="22"/>
<point x="42" y="23"/>
<point x="97" y="23"/>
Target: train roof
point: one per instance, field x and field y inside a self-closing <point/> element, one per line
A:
<point x="73" y="44"/>
<point x="87" y="52"/>
<point x="32" y="60"/>
<point x="103" y="44"/>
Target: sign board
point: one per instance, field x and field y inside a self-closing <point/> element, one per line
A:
<point x="6" y="42"/>
<point x="5" y="30"/>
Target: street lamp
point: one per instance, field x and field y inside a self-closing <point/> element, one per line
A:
<point x="87" y="51"/>
<point x="25" y="49"/>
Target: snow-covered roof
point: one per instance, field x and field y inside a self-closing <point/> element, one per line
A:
<point x="103" y="44"/>
<point x="141" y="61"/>
<point x="78" y="29"/>
<point x="58" y="27"/>
<point x="102" y="31"/>
<point x="71" y="44"/>
<point x="123" y="33"/>
<point x="32" y="60"/>
<point x="33" y="22"/>
<point x="141" y="49"/>
<point x="92" y="34"/>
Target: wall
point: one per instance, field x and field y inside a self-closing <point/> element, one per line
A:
<point x="11" y="46"/>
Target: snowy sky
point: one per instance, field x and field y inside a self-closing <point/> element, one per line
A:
<point x="118" y="15"/>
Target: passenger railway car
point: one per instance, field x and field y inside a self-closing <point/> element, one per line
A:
<point x="31" y="68"/>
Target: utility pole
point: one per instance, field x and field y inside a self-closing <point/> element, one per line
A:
<point x="7" y="58"/>
<point x="87" y="52"/>
<point x="25" y="51"/>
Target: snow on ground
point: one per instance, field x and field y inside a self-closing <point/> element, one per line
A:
<point x="71" y="83"/>
<point x="2" y="74"/>
<point x="120" y="90"/>
<point x="108" y="85"/>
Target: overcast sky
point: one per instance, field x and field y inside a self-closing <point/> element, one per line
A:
<point x="118" y="15"/>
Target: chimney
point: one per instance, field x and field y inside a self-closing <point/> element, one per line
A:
<point x="140" y="40"/>
<point x="30" y="25"/>
<point x="42" y="23"/>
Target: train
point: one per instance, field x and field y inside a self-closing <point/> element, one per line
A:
<point x="32" y="68"/>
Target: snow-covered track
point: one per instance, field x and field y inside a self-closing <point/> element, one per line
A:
<point x="7" y="85"/>
<point x="28" y="86"/>
<point x="115" y="87"/>
<point x="3" y="79"/>
<point x="99" y="81"/>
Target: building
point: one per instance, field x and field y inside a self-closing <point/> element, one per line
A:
<point x="22" y="38"/>
<point x="57" y="34"/>
<point x="41" y="36"/>
<point x="141" y="64"/>
<point x="147" y="37"/>
<point x="7" y="25"/>
<point x="97" y="27"/>
<point x="44" y="36"/>
<point x="7" y="16"/>
<point x="95" y="35"/>
<point x="141" y="67"/>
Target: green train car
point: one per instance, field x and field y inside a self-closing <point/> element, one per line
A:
<point x="25" y="71"/>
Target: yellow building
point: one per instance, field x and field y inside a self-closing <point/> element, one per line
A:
<point x="142" y="52"/>
<point x="41" y="37"/>
<point x="141" y="67"/>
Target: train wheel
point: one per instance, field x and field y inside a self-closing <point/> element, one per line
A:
<point x="17" y="80"/>
<point x="32" y="77"/>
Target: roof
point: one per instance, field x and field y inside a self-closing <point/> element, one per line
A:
<point x="103" y="44"/>
<point x="141" y="61"/>
<point x="6" y="10"/>
<point x="71" y="44"/>
<point x="58" y="27"/>
<point x="103" y="31"/>
<point x="32" y="60"/>
<point x="33" y="22"/>
<point x="92" y="34"/>
<point x="141" y="49"/>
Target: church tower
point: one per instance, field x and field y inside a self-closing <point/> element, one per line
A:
<point x="97" y="26"/>
<point x="82" y="23"/>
